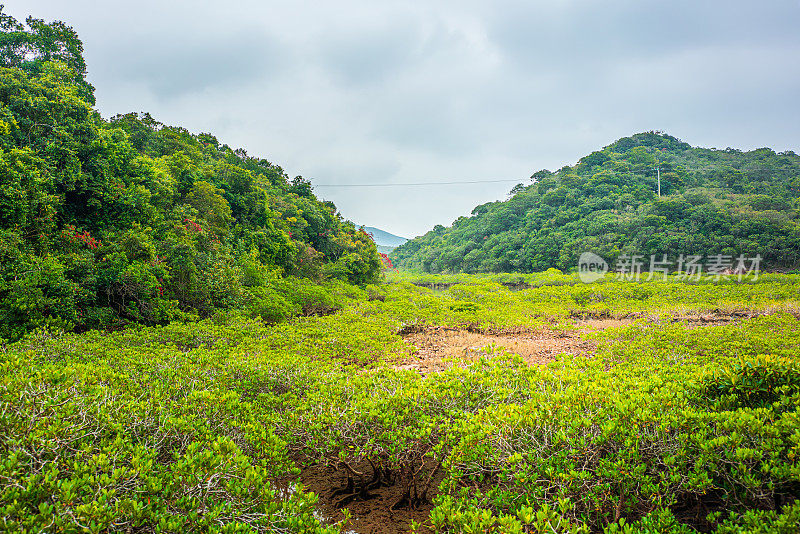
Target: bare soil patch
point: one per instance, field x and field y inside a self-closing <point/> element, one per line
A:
<point x="437" y="348"/>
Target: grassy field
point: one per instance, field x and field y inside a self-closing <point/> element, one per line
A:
<point x="503" y="403"/>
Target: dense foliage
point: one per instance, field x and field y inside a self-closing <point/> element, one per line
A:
<point x="196" y="427"/>
<point x="107" y="222"/>
<point x="725" y="202"/>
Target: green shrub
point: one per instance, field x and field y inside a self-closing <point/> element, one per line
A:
<point x="752" y="383"/>
<point x="270" y="305"/>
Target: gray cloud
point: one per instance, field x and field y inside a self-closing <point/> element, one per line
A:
<point x="172" y="67"/>
<point x="371" y="56"/>
<point x="380" y="92"/>
<point x="596" y="34"/>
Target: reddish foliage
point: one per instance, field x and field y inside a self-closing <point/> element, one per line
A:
<point x="191" y="225"/>
<point x="84" y="237"/>
<point x="387" y="263"/>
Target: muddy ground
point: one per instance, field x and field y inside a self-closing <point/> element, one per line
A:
<point x="381" y="509"/>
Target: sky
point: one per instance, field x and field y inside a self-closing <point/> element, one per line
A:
<point x="383" y="92"/>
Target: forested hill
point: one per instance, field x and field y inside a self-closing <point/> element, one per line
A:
<point x="713" y="202"/>
<point x="106" y="222"/>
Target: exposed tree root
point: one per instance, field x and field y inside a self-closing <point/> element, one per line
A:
<point x="358" y="488"/>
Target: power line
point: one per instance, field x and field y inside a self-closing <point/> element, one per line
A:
<point x="416" y="183"/>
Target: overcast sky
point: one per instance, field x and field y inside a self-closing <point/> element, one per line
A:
<point x="386" y="92"/>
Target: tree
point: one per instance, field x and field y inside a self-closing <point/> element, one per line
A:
<point x="519" y="188"/>
<point x="29" y="48"/>
<point x="211" y="206"/>
<point x="301" y="187"/>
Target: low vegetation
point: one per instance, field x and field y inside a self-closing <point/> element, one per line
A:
<point x="684" y="418"/>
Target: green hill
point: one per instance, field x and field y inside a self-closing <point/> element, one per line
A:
<point x="108" y="222"/>
<point x="713" y="202"/>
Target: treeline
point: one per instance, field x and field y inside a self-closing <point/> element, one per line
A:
<point x="713" y="202"/>
<point x="108" y="222"/>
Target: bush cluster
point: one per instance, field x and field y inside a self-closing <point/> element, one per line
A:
<point x="197" y="427"/>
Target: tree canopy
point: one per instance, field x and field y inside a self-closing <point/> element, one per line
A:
<point x="107" y="222"/>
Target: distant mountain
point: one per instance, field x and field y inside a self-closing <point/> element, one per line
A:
<point x="384" y="239"/>
<point x="712" y="202"/>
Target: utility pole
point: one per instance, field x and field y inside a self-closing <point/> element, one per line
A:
<point x="658" y="170"/>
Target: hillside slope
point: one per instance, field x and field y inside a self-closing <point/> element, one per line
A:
<point x="713" y="202"/>
<point x="107" y="222"/>
<point x="384" y="238"/>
